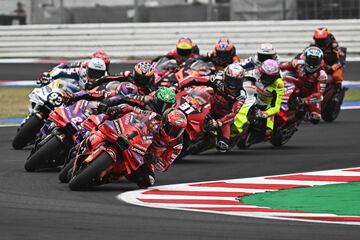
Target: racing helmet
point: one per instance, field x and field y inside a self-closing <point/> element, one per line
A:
<point x="104" y="56"/>
<point x="313" y="57"/>
<point x="95" y="69"/>
<point x="122" y="88"/>
<point x="184" y="47"/>
<point x="143" y="73"/>
<point x="224" y="51"/>
<point x="269" y="71"/>
<point x="164" y="99"/>
<point x="127" y="88"/>
<point x="234" y="77"/>
<point x="173" y="124"/>
<point x="322" y="37"/>
<point x="266" y="51"/>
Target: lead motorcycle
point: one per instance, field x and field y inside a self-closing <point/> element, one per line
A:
<point x="113" y="150"/>
<point x="42" y="101"/>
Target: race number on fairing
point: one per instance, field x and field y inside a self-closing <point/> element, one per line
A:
<point x="187" y="108"/>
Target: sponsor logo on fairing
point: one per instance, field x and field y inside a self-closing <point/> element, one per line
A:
<point x="137" y="150"/>
<point x="117" y="126"/>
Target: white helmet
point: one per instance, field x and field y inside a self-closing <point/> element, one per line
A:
<point x="95" y="69"/>
<point x="265" y="52"/>
<point x="234" y="77"/>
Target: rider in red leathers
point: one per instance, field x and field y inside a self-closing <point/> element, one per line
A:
<point x="229" y="96"/>
<point x="185" y="50"/>
<point x="309" y="69"/>
<point x="166" y="131"/>
<point x="223" y="54"/>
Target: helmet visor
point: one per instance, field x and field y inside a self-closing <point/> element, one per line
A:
<point x="94" y="73"/>
<point x="142" y="80"/>
<point x="267" y="79"/>
<point x="184" y="52"/>
<point x="321" y="42"/>
<point x="312" y="63"/>
<point x="232" y="83"/>
<point x="161" y="106"/>
<point x="172" y="131"/>
<point x="263" y="57"/>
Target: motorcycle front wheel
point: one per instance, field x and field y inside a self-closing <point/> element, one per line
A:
<point x="49" y="151"/>
<point x="27" y="132"/>
<point x="89" y="175"/>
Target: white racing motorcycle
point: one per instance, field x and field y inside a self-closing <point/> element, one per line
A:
<point x="42" y="101"/>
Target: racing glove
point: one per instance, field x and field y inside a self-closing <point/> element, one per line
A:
<point x="68" y="97"/>
<point x="212" y="124"/>
<point x="261" y="114"/>
<point x="44" y="79"/>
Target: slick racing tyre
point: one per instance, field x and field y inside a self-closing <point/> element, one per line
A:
<point x="47" y="152"/>
<point x="27" y="132"/>
<point x="89" y="175"/>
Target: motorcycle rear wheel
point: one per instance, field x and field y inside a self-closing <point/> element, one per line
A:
<point x="332" y="108"/>
<point x="50" y="150"/>
<point x="86" y="176"/>
<point x="27" y="132"/>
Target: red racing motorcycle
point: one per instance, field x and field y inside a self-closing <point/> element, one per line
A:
<point x="113" y="150"/>
<point x="195" y="103"/>
<point x="291" y="113"/>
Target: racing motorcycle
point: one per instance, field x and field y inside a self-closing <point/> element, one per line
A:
<point x="332" y="101"/>
<point x="162" y="68"/>
<point x="291" y="114"/>
<point x="183" y="77"/>
<point x="63" y="130"/>
<point x="333" y="97"/>
<point x="248" y="129"/>
<point x="113" y="150"/>
<point x="195" y="102"/>
<point x="42" y="101"/>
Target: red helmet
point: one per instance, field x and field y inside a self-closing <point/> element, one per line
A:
<point x="103" y="55"/>
<point x="322" y="37"/>
<point x="184" y="47"/>
<point x="173" y="124"/>
<point x="224" y="51"/>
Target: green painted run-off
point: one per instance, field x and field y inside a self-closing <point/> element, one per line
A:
<point x="339" y="199"/>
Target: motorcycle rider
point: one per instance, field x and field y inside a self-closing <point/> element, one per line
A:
<point x="69" y="70"/>
<point x="111" y="89"/>
<point x="159" y="101"/>
<point x="166" y="130"/>
<point x="185" y="50"/>
<point x="142" y="76"/>
<point x="269" y="89"/>
<point x="309" y="69"/>
<point x="229" y="96"/>
<point x="265" y="52"/>
<point x="224" y="53"/>
<point x="334" y="58"/>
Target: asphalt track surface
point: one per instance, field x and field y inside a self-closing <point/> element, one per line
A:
<point x="32" y="71"/>
<point x="37" y="206"/>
